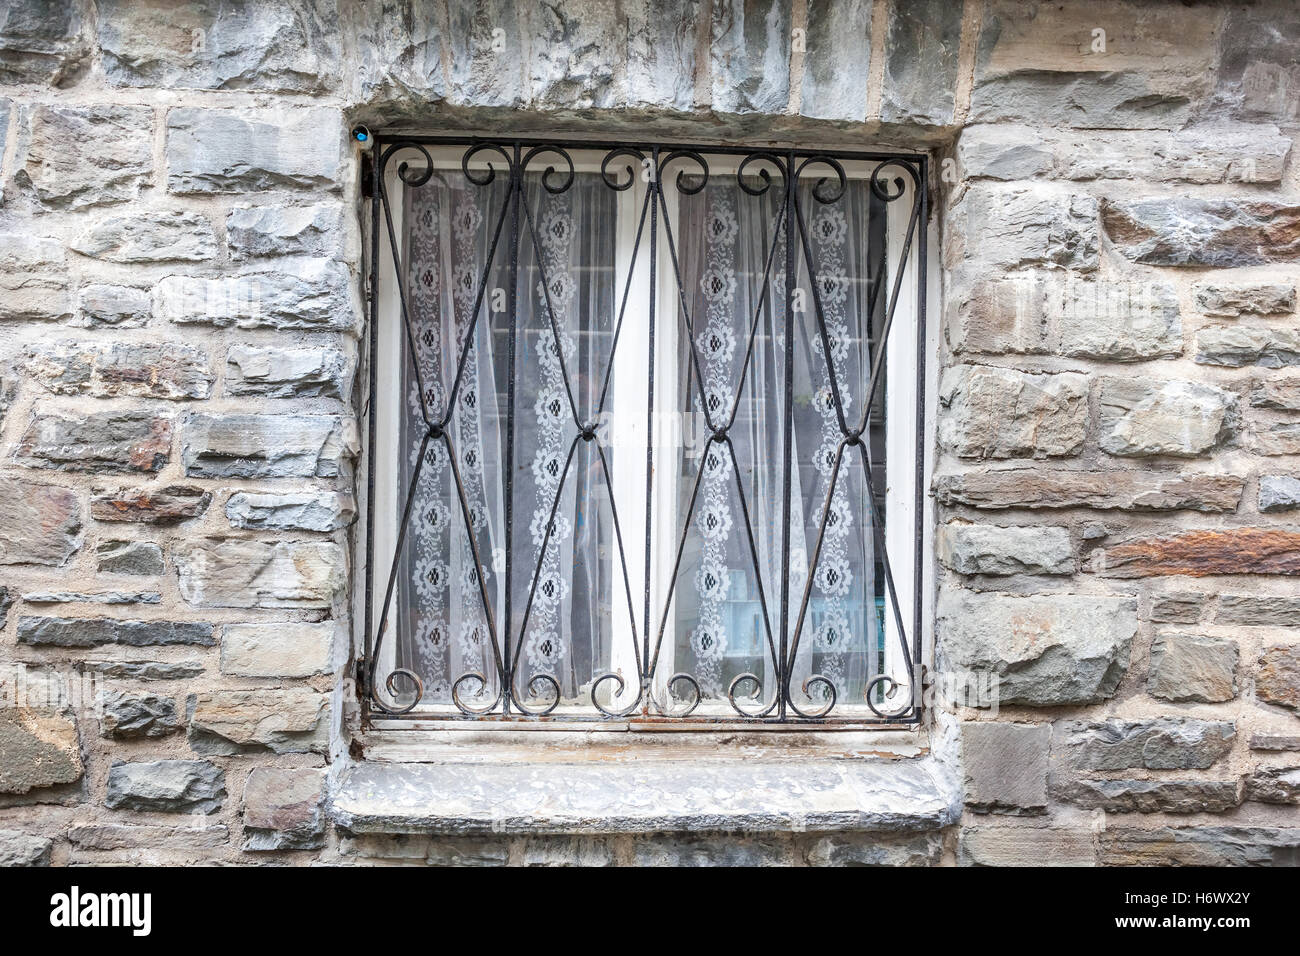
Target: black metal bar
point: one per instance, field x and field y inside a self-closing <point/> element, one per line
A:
<point x="517" y="180"/>
<point x="787" y="429"/>
<point x="652" y="188"/>
<point x="365" y="671"/>
<point x="918" y="565"/>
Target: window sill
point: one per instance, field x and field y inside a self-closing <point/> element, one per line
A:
<point x="628" y="787"/>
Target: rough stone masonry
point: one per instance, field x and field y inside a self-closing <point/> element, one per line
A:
<point x="1116" y="450"/>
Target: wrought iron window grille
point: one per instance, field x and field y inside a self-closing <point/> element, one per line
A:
<point x="796" y="183"/>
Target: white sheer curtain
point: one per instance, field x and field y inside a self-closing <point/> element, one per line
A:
<point x="728" y="237"/>
<point x="569" y="604"/>
<point x="566" y="624"/>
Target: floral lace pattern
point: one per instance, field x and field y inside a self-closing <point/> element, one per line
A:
<point x="446" y="605"/>
<point x="544" y="646"/>
<point x="715" y="343"/>
<point x="833" y="576"/>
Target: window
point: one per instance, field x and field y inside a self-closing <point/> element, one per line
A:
<point x="644" y="433"/>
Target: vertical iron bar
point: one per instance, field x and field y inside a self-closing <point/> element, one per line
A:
<point x="786" y="668"/>
<point x="507" y="628"/>
<point x="919" y="516"/>
<point x="650" y="408"/>
<point x="366" y="672"/>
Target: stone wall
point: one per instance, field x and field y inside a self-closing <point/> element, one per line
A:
<point x="1117" y="471"/>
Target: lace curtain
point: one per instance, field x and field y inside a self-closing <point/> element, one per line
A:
<point x="732" y="259"/>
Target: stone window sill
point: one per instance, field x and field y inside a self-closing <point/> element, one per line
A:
<point x="822" y="782"/>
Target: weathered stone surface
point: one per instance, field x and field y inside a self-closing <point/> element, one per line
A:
<point x="119" y="306"/>
<point x="552" y="851"/>
<point x="33" y="278"/>
<point x="1274" y="785"/>
<point x="1230" y="300"/>
<point x="998" y="227"/>
<point x="230" y="151"/>
<point x="299" y="511"/>
<point x="1232" y="551"/>
<point x="129" y="715"/>
<point x="572" y="60"/>
<point x="289" y="47"/>
<point x="39" y="524"/>
<point x="80" y="156"/>
<point x="1258" y="610"/>
<point x="121" y="369"/>
<point x="144" y="670"/>
<point x="1257" y="75"/>
<point x="6" y="602"/>
<point x="1193" y="667"/>
<point x="1200" y="846"/>
<point x="153" y="236"/>
<point x="1041" y="66"/>
<point x="1278" y="742"/>
<point x="282" y="649"/>
<point x="128" y="836"/>
<point x="286" y="372"/>
<point x="875" y="849"/>
<point x="1235" y="346"/>
<point x="92" y="597"/>
<point x="987" y="549"/>
<point x="399" y="49"/>
<point x="1120" y="490"/>
<point x="282" y="809"/>
<point x="1223" y="233"/>
<point x="486" y="41"/>
<point x="98" y="441"/>
<point x="94" y="631"/>
<point x="1026" y="846"/>
<point x="291" y="720"/>
<point x="1118" y="321"/>
<point x="235" y="572"/>
<point x="1281" y="393"/>
<point x="37" y="749"/>
<point x="128" y="557"/>
<point x="1279" y="493"/>
<point x="1178" y="607"/>
<point x="316" y="296"/>
<point x="1038" y="313"/>
<point x="644" y="796"/>
<point x="1216" y="153"/>
<point x="1005" y="766"/>
<point x="1043" y="651"/>
<point x="837" y="33"/>
<point x="1278" y="679"/>
<point x="1004" y="152"/>
<point x="921" y="59"/>
<point x="163" y="506"/>
<point x="24" y="849"/>
<point x="1005" y="314"/>
<point x="167" y="786"/>
<point x="1152" y="796"/>
<point x="253" y="231"/>
<point x="1280" y="438"/>
<point x="42" y="42"/>
<point x="750" y="56"/>
<point x="989" y="412"/>
<point x="1140" y="417"/>
<point x="1162" y="743"/>
<point x="662" y="41"/>
<point x="435" y="851"/>
<point x="671" y="850"/>
<point x="267" y="446"/>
